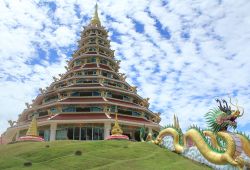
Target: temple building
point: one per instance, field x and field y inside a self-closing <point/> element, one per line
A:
<point x="81" y="104"/>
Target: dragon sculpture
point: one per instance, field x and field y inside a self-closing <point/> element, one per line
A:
<point x="217" y="145"/>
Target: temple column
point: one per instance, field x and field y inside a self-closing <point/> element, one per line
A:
<point x="107" y="128"/>
<point x="132" y="135"/>
<point x="53" y="127"/>
<point x="150" y="130"/>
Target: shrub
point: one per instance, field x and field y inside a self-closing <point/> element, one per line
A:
<point x="78" y="152"/>
<point x="27" y="163"/>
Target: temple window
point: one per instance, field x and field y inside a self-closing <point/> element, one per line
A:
<point x="117" y="96"/>
<point x="78" y="73"/>
<point x="50" y="98"/>
<point x="53" y="110"/>
<point x="43" y="113"/>
<point x="109" y="94"/>
<point x="77" y="63"/>
<point x="119" y="84"/>
<point x="90" y="72"/>
<point x="146" y="116"/>
<point x="90" y="93"/>
<point x="82" y="109"/>
<point x="96" y="109"/>
<point x="124" y="111"/>
<point x="92" y="41"/>
<point x="112" y="83"/>
<point x="91" y="60"/>
<point x="112" y="108"/>
<point x="69" y="109"/>
<point x="135" y="113"/>
<point x="126" y="87"/>
<point x="126" y="98"/>
<point x="103" y="61"/>
<point x="106" y="74"/>
<point x="86" y="81"/>
<point x="80" y="80"/>
<point x="96" y="93"/>
<point x="91" y="49"/>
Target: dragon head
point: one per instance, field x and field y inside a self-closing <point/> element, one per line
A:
<point x="223" y="117"/>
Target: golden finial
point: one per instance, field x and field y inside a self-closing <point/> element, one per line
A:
<point x="116" y="129"/>
<point x="32" y="131"/>
<point x="95" y="20"/>
<point x="175" y="123"/>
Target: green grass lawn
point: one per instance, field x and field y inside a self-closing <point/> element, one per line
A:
<point x="97" y="155"/>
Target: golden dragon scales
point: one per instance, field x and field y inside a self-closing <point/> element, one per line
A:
<point x="217" y="145"/>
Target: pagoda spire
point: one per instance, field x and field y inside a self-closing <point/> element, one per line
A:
<point x="95" y="20"/>
<point x="32" y="131"/>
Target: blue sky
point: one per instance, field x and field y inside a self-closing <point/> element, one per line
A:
<point x="181" y="54"/>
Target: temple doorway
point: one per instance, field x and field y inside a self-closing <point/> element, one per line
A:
<point x="89" y="132"/>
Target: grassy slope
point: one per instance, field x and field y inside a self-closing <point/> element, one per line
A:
<point x="101" y="155"/>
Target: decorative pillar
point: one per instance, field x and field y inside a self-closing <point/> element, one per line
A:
<point x="107" y="128"/>
<point x="150" y="130"/>
<point x="97" y="60"/>
<point x="53" y="127"/>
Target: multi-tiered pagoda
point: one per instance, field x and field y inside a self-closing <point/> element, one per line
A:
<point x="81" y="103"/>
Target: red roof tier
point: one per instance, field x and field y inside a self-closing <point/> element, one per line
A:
<point x="90" y="65"/>
<point x="130" y="119"/>
<point x="76" y="67"/>
<point x="122" y="102"/>
<point x="104" y="66"/>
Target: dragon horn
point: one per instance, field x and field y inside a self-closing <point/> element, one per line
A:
<point x="237" y="106"/>
<point x="224" y="101"/>
<point x="218" y="101"/>
<point x="242" y="111"/>
<point x="231" y="102"/>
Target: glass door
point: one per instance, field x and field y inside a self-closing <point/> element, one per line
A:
<point x="83" y="133"/>
<point x="89" y="133"/>
<point x="76" y="133"/>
